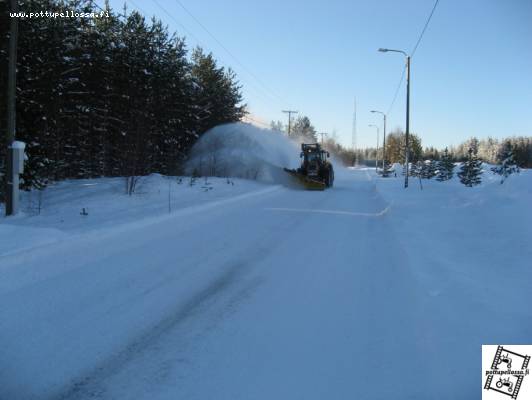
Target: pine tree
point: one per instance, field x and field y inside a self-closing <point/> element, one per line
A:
<point x="471" y="170"/>
<point x="217" y="92"/>
<point x="445" y="167"/>
<point x="508" y="165"/>
<point x="39" y="85"/>
<point x="173" y="118"/>
<point x="303" y="130"/>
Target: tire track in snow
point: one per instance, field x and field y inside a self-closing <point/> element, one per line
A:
<point x="218" y="298"/>
<point x="88" y="385"/>
<point x="336" y="212"/>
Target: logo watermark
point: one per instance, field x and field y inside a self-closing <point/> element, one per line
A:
<point x="505" y="372"/>
<point x="59" y="14"/>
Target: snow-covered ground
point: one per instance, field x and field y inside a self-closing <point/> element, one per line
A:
<point x="254" y="291"/>
<point x="57" y="212"/>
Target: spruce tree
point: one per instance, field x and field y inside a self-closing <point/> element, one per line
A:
<point x="471" y="170"/>
<point x="428" y="169"/>
<point x="417" y="169"/>
<point x="445" y="167"/>
<point x="508" y="165"/>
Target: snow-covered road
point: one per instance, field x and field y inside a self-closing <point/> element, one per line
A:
<point x="279" y="294"/>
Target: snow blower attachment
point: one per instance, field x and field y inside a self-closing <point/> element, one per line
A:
<point x="315" y="173"/>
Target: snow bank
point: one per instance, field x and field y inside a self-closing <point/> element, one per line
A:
<point x="472" y="231"/>
<point x="56" y="213"/>
<point x="243" y="151"/>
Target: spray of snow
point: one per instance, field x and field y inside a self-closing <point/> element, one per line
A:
<point x="243" y="151"/>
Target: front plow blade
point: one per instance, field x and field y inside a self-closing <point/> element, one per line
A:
<point x="305" y="181"/>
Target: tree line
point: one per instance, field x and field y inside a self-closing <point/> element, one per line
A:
<point x="111" y="96"/>
<point x="489" y="150"/>
<point x="508" y="155"/>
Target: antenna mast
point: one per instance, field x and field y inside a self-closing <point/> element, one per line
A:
<point x="354" y="132"/>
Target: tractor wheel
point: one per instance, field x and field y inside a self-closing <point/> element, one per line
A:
<point x="327" y="177"/>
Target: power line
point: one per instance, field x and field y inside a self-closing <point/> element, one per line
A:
<point x="94" y="4"/>
<point x="247" y="118"/>
<point x="229" y="52"/>
<point x="397" y="90"/>
<point x="258" y="90"/>
<point x="424" y="28"/>
<point x="261" y="93"/>
<point x="175" y="20"/>
<point x="411" y="55"/>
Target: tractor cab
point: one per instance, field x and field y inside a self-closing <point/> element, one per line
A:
<point x="313" y="153"/>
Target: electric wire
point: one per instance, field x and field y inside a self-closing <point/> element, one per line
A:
<point x="254" y="76"/>
<point x="94" y="4"/>
<point x="424" y="29"/>
<point x="411" y="55"/>
<point x="397" y="90"/>
<point x="257" y="89"/>
<point x="246" y="119"/>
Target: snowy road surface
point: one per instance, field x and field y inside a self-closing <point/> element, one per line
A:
<point x="280" y="294"/>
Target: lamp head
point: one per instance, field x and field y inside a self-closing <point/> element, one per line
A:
<point x="383" y="50"/>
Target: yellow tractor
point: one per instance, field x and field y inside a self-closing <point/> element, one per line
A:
<point x="315" y="172"/>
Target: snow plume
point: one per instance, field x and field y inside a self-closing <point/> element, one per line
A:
<point x="243" y="151"/>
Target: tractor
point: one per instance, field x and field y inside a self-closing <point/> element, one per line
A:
<point x="315" y="172"/>
<point x="505" y="359"/>
<point x="505" y="382"/>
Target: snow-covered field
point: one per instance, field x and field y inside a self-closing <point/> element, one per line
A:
<point x="255" y="291"/>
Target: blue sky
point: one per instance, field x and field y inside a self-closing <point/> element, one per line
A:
<point x="471" y="75"/>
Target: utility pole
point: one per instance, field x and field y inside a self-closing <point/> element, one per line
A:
<point x="383" y="143"/>
<point x="384" y="173"/>
<point x="322" y="134"/>
<point x="377" y="149"/>
<point x="407" y="134"/>
<point x="289" y="112"/>
<point x="11" y="110"/>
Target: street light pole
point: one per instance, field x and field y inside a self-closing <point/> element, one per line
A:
<point x="322" y="134"/>
<point x="377" y="149"/>
<point x="384" y="141"/>
<point x="407" y="133"/>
